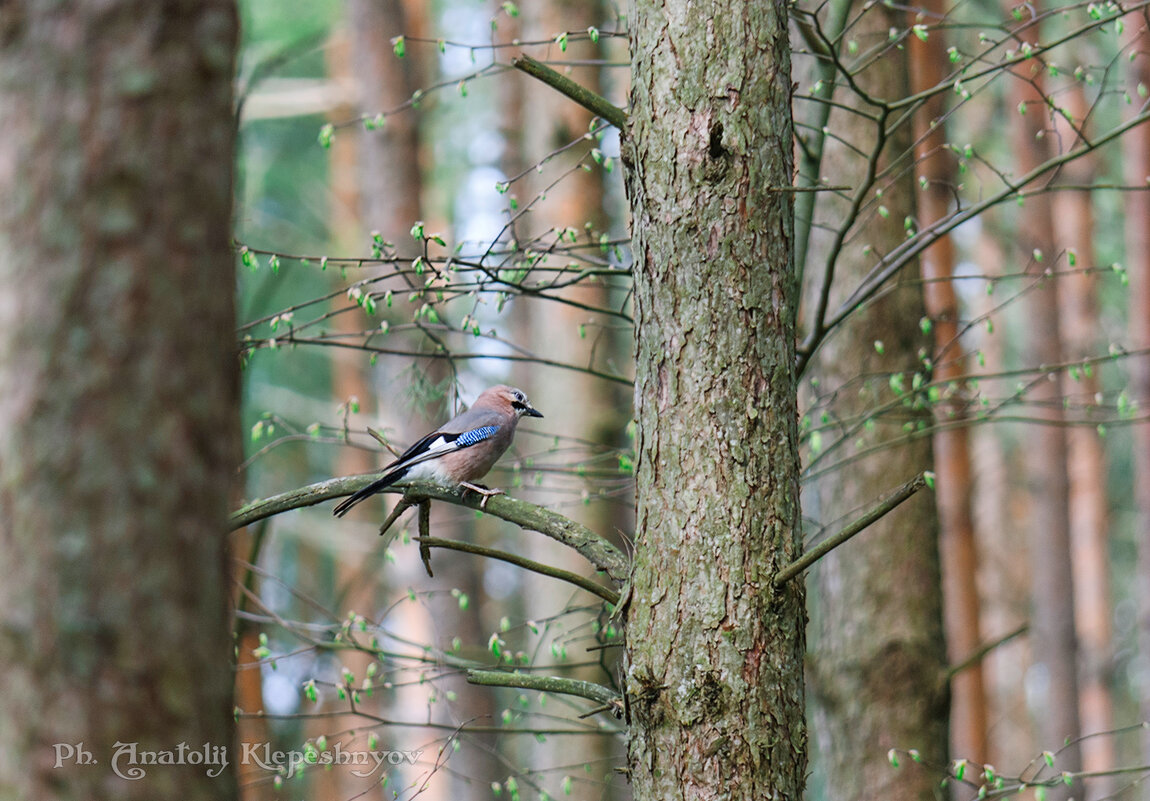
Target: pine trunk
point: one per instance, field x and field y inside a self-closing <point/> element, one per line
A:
<point x="715" y="651"/>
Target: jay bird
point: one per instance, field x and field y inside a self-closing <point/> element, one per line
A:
<point x="460" y="451"/>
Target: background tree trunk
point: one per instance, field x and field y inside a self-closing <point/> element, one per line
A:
<point x="1136" y="162"/>
<point x="952" y="459"/>
<point x="578" y="406"/>
<point x="878" y="657"/>
<point x="1052" y="592"/>
<point x="118" y="423"/>
<point x="1089" y="522"/>
<point x="714" y="672"/>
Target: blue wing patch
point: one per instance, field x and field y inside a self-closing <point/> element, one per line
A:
<point x="469" y="438"/>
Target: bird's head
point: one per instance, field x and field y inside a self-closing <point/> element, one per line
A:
<point x="510" y="397"/>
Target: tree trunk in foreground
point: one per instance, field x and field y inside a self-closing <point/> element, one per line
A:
<point x="118" y="418"/>
<point x="715" y="651"/>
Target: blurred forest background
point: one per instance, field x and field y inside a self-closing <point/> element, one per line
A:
<point x="417" y="220"/>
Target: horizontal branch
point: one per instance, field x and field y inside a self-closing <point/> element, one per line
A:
<point x="548" y="684"/>
<point x="606" y="593"/>
<point x="596" y="104"/>
<point x="888" y="504"/>
<point x="596" y="550"/>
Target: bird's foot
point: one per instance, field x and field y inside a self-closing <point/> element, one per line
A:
<point x="482" y="490"/>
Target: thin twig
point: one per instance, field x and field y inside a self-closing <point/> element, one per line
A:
<point x="548" y="684"/>
<point x="606" y="593"/>
<point x="424" y="533"/>
<point x="594" y="103"/>
<point x="826" y="546"/>
<point x="984" y="649"/>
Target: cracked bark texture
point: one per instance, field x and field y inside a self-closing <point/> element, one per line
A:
<point x="714" y="671"/>
<point x="119" y="410"/>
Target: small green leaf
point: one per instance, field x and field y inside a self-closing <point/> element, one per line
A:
<point x="326" y="135"/>
<point x="399" y="46"/>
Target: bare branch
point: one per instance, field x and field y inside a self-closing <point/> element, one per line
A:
<point x="595" y="549"/>
<point x="594" y="103"/>
<point x="888" y="504"/>
<point x="548" y="684"/>
<point x="607" y="594"/>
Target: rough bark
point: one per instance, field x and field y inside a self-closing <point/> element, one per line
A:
<point x="714" y="657"/>
<point x="952" y="460"/>
<point x="878" y="656"/>
<point x="118" y="420"/>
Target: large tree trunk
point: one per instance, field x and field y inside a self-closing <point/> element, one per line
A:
<point x="715" y="670"/>
<point x="118" y="423"/>
<point x="878" y="657"/>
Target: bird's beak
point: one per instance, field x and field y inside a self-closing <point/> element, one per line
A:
<point x="531" y="411"/>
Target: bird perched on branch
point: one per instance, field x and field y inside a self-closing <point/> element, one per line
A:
<point x="460" y="451"/>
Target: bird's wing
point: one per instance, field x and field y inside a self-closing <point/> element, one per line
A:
<point x="440" y="443"/>
<point x="434" y="445"/>
<point x="462" y="431"/>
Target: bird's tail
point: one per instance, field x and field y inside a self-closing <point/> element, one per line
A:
<point x="371" y="489"/>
